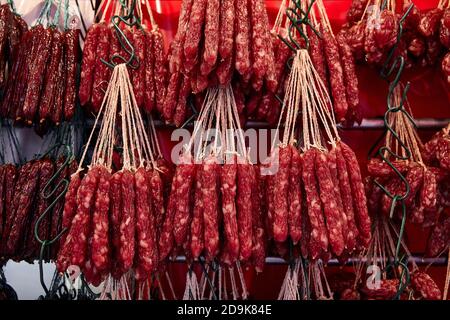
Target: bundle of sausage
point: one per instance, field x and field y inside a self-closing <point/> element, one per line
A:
<point x="214" y="210"/>
<point x="22" y="201"/>
<point x="426" y="34"/>
<point x="215" y="39"/>
<point x="316" y="197"/>
<point x="143" y="48"/>
<point x="428" y="184"/>
<point x="113" y="217"/>
<point x="42" y="86"/>
<point x="12" y="27"/>
<point x="331" y="56"/>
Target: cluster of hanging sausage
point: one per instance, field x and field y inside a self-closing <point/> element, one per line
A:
<point x="215" y="211"/>
<point x="147" y="69"/>
<point x="317" y="200"/>
<point x="215" y="39"/>
<point x="113" y="222"/>
<point x="41" y="88"/>
<point x="425" y="40"/>
<point x="23" y="200"/>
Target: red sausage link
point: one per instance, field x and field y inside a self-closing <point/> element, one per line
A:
<point x="177" y="45"/>
<point x="145" y="228"/>
<point x="244" y="212"/>
<point x="295" y="197"/>
<point x="36" y="79"/>
<point x="197" y="226"/>
<point x="333" y="216"/>
<point x="209" y="179"/>
<point x="116" y="218"/>
<point x="227" y="23"/>
<point x="318" y="241"/>
<point x="184" y="178"/>
<point x="102" y="71"/>
<point x="51" y="77"/>
<point x="336" y="75"/>
<point x="211" y="31"/>
<point x="72" y="57"/>
<point x="139" y="73"/>
<point x="280" y="197"/>
<point x="228" y="189"/>
<point x="150" y="90"/>
<point x="80" y="230"/>
<point x="193" y="35"/>
<point x="88" y="64"/>
<point x="157" y="197"/>
<point x="258" y="234"/>
<point x="22" y="207"/>
<point x="360" y="201"/>
<point x="128" y="222"/>
<point x="242" y="39"/>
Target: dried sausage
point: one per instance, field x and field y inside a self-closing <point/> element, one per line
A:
<point x="139" y="74"/>
<point x="128" y="222"/>
<point x="258" y="234"/>
<point x="228" y="189"/>
<point x="209" y="178"/>
<point x="102" y="71"/>
<point x="184" y="177"/>
<point x="115" y="220"/>
<point x="72" y="56"/>
<point x="78" y="237"/>
<point x="150" y="89"/>
<point x="22" y="208"/>
<point x="157" y="194"/>
<point x="193" y="34"/>
<point x="345" y="191"/>
<point x="145" y="228"/>
<point x="295" y="197"/>
<point x="99" y="246"/>
<point x="36" y="76"/>
<point x="280" y="198"/>
<point x="88" y="64"/>
<point x="333" y="216"/>
<point x="211" y="31"/>
<point x="362" y="217"/>
<point x="197" y="225"/>
<point x="242" y="39"/>
<point x="244" y="208"/>
<point x="177" y="45"/>
<point x="424" y="285"/>
<point x="428" y="194"/>
<point x="318" y="237"/>
<point x="336" y="75"/>
<point x="181" y="107"/>
<point x="227" y="24"/>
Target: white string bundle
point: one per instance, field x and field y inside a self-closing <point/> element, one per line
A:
<point x="218" y="121"/>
